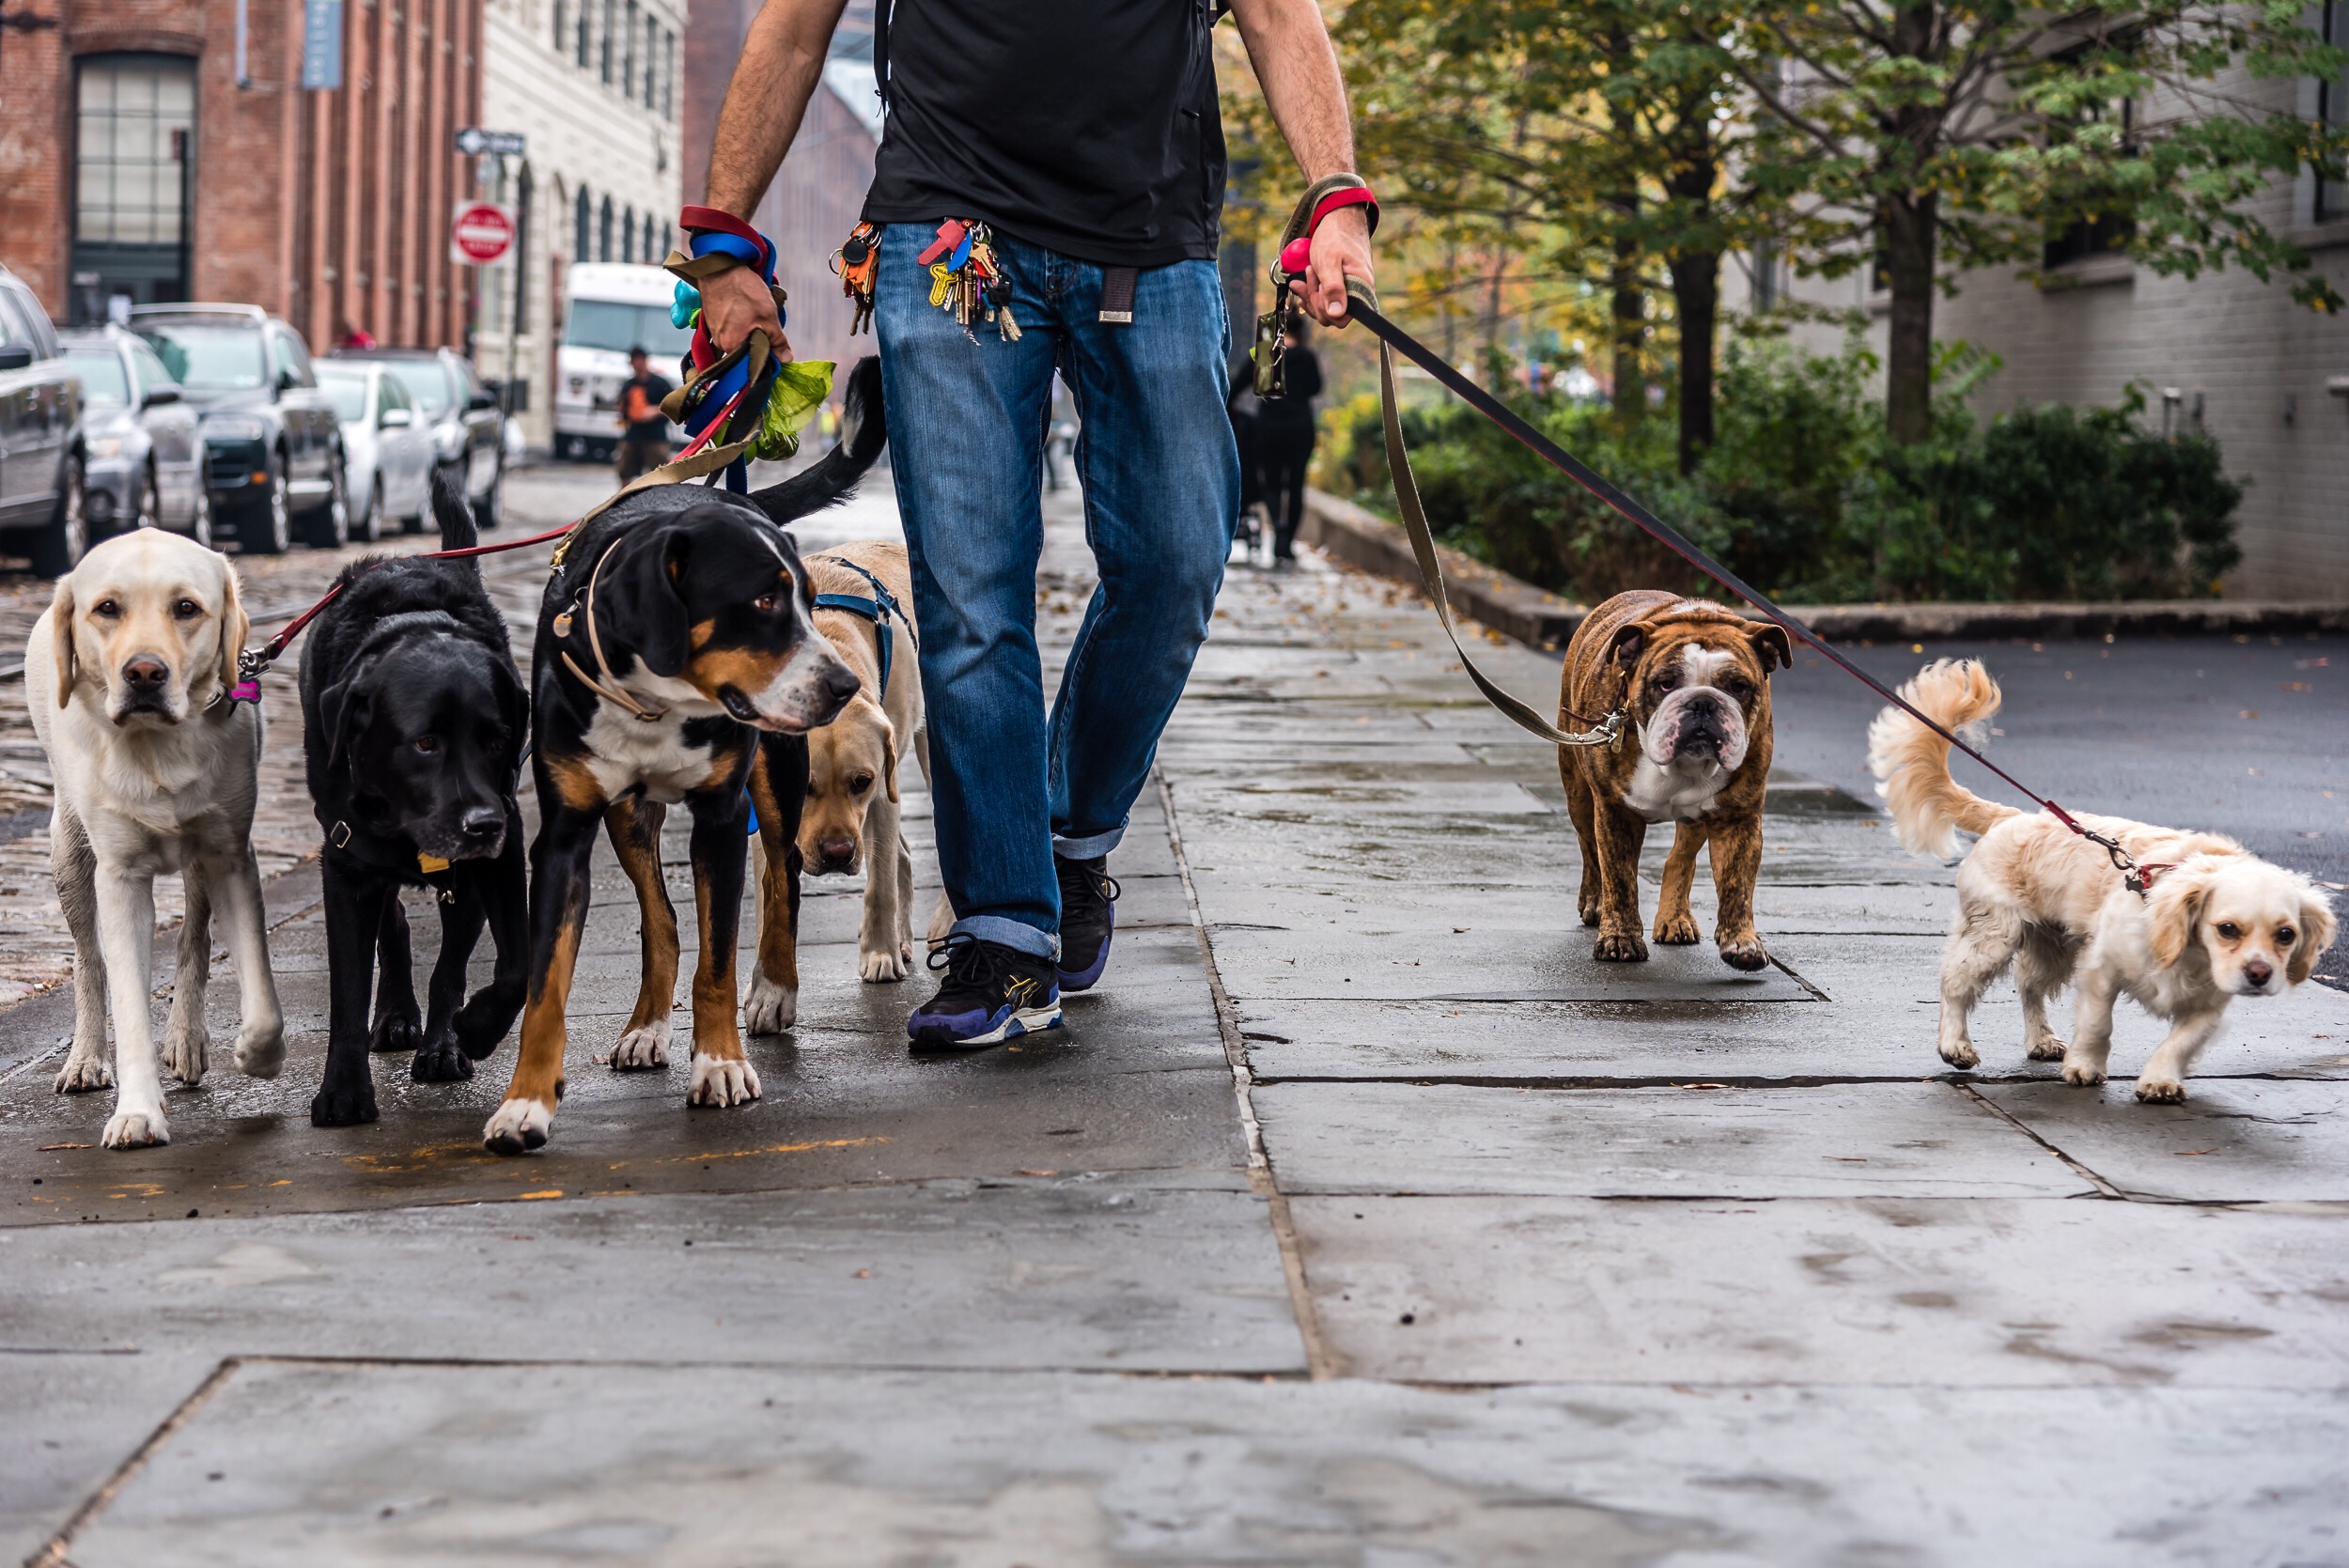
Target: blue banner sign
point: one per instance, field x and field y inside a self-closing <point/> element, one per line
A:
<point x="322" y="44"/>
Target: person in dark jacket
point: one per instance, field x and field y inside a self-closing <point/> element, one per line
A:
<point x="1242" y="406"/>
<point x="1284" y="441"/>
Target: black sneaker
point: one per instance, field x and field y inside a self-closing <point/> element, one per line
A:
<point x="991" y="993"/>
<point x="1088" y="913"/>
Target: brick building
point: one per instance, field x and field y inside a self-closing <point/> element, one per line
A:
<point x="163" y="150"/>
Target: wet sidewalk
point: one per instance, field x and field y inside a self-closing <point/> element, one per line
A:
<point x="1358" y="1219"/>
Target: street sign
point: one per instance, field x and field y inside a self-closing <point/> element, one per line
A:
<point x="322" y="44"/>
<point x="481" y="233"/>
<point x="472" y="141"/>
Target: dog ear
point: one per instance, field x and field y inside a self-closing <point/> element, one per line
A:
<point x="235" y="625"/>
<point x="2317" y="930"/>
<point x="638" y="606"/>
<point x="61" y="613"/>
<point x="343" y="710"/>
<point x="1772" y="646"/>
<point x="514" y="711"/>
<point x="1628" y="641"/>
<point x="889" y="750"/>
<point x="2174" y="905"/>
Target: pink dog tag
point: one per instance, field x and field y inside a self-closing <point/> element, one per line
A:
<point x="246" y="692"/>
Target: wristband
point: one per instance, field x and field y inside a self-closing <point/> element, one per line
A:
<point x="1332" y="195"/>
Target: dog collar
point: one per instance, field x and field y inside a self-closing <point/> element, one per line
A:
<point x="878" y="609"/>
<point x="608" y="687"/>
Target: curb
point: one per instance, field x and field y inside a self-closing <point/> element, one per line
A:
<point x="1543" y="620"/>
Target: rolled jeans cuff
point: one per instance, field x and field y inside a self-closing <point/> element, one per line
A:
<point x="1012" y="934"/>
<point x="1091" y="847"/>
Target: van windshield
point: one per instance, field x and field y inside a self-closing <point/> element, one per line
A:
<point x="609" y="325"/>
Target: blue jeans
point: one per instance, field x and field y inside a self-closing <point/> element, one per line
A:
<point x="1161" y="475"/>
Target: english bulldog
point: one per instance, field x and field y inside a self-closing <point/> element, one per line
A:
<point x="1693" y="680"/>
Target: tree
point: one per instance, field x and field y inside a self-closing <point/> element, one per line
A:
<point x="1923" y="138"/>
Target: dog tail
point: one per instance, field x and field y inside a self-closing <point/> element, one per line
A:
<point x="1912" y="764"/>
<point x="451" y="512"/>
<point x="827" y="482"/>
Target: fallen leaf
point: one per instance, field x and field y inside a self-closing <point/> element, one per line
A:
<point x="2190" y="1153"/>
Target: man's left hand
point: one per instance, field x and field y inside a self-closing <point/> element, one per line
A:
<point x="1341" y="250"/>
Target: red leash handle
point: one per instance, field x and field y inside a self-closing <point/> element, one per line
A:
<point x="1298" y="253"/>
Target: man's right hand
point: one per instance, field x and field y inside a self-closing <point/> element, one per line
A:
<point x="735" y="302"/>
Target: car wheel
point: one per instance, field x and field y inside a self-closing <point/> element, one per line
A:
<point x="371" y="525"/>
<point x="58" y="548"/>
<point x="330" y="526"/>
<point x="201" y="517"/>
<point x="268" y="530"/>
<point x="147" y="508"/>
<point x="490" y="510"/>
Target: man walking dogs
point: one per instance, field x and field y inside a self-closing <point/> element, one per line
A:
<point x="1045" y="196"/>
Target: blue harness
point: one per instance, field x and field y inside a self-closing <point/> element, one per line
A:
<point x="880" y="610"/>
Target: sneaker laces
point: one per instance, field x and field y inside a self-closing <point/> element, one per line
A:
<point x="1104" y="885"/>
<point x="968" y="961"/>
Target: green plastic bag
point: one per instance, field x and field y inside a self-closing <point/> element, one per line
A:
<point x="801" y="388"/>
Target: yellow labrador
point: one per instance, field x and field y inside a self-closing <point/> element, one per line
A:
<point x="864" y="594"/>
<point x="128" y="674"/>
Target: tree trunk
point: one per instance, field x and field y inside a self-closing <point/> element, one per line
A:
<point x="1630" y="321"/>
<point x="1907" y="227"/>
<point x="1696" y="301"/>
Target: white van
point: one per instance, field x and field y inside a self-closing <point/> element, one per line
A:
<point x="609" y="308"/>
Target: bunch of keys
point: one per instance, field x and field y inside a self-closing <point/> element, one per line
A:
<point x="857" y="262"/>
<point x="1272" y="330"/>
<point x="966" y="282"/>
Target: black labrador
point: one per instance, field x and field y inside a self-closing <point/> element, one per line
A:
<point x="413" y="723"/>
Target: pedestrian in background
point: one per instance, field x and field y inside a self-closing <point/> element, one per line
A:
<point x="645" y="441"/>
<point x="1083" y="137"/>
<point x="1284" y="440"/>
<point x="1242" y="405"/>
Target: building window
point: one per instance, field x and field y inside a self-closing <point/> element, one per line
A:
<point x="2332" y="108"/>
<point x="561" y="35"/>
<point x="604" y="232"/>
<point x="582" y="225"/>
<point x="607" y="42"/>
<point x="135" y="124"/>
<point x="584" y="7"/>
<point x="668" y="75"/>
<point x="628" y="55"/>
<point x="2099" y="233"/>
<point x="652" y="62"/>
<point x="628" y="234"/>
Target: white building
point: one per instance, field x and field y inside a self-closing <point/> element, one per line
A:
<point x="2222" y="352"/>
<point x="595" y="85"/>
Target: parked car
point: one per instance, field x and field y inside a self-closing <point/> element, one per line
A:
<point x="41" y="415"/>
<point x="387" y="449"/>
<point x="468" y="429"/>
<point x="273" y="447"/>
<point x="142" y="453"/>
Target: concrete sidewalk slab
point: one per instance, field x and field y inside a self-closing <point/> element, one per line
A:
<point x="1855" y="1141"/>
<point x="2234" y="1141"/>
<point x="1975" y="1293"/>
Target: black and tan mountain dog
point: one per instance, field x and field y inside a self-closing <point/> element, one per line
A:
<point x="414" y="721"/>
<point x="676" y="661"/>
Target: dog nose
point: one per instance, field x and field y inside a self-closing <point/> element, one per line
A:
<point x="145" y="673"/>
<point x="840" y="685"/>
<point x="2258" y="971"/>
<point x="482" y="822"/>
<point x="837" y="851"/>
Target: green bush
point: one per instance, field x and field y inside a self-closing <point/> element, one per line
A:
<point x="1802" y="496"/>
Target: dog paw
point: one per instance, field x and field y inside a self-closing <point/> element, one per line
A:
<point x="1675" y="930"/>
<point x="1626" y="949"/>
<point x="2082" y="1074"/>
<point x="136" y="1129"/>
<point x="517" y="1126"/>
<point x="770" y="1009"/>
<point x="81" y="1074"/>
<point x="1745" y="954"/>
<point x="640" y="1050"/>
<point x="260" y="1052"/>
<point x="1960" y="1053"/>
<point x="396" y="1032"/>
<point x="879" y="964"/>
<point x="1589" y="913"/>
<point x="440" y="1060"/>
<point x="716" y="1082"/>
<point x="2159" y="1090"/>
<point x="344" y="1105"/>
<point x="2047" y="1048"/>
<point x="184" y="1047"/>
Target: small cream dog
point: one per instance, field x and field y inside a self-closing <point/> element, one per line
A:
<point x="850" y="820"/>
<point x="128" y="674"/>
<point x="2216" y="922"/>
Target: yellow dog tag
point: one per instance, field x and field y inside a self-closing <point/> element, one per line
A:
<point x="430" y="863"/>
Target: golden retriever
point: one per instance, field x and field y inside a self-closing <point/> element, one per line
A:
<point x="2216" y="922"/>
<point x="128" y="674"/>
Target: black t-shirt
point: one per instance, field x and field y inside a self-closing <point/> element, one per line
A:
<point x="655" y="387"/>
<point x="1088" y="127"/>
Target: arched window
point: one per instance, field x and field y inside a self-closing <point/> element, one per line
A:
<point x="582" y="223"/>
<point x="628" y="234"/>
<point x="603" y="231"/>
<point x="560" y="40"/>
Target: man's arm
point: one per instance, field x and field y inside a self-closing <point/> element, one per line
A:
<point x="782" y="61"/>
<point x="1290" y="48"/>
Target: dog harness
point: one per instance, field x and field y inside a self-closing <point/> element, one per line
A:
<point x="880" y="610"/>
<point x="608" y="687"/>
